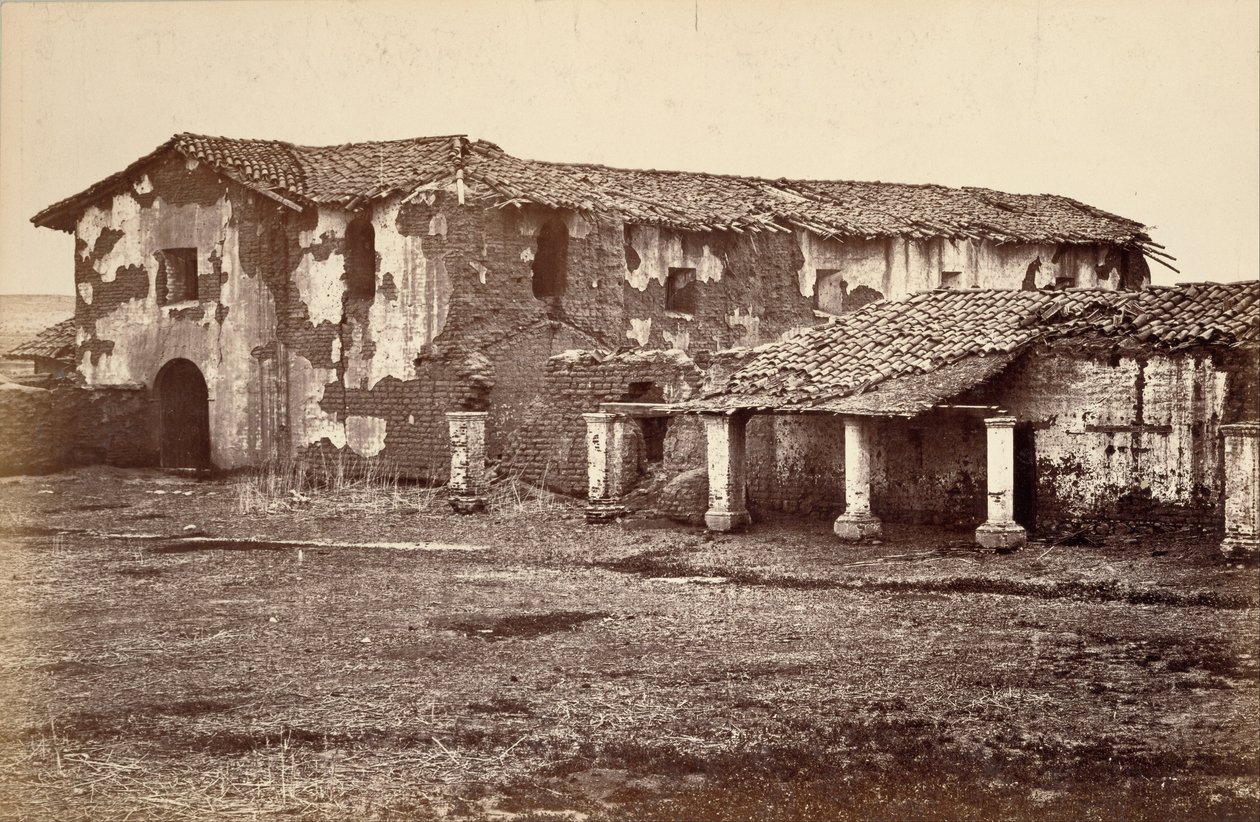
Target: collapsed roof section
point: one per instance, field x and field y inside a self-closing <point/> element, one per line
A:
<point x="349" y="175"/>
<point x="903" y="357"/>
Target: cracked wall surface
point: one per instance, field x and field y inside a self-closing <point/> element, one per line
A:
<point x="1117" y="437"/>
<point x="295" y="362"/>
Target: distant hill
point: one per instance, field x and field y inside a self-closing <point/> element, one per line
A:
<point x="22" y="316"/>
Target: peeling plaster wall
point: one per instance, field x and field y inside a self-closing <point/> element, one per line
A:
<point x="895" y="267"/>
<point x="745" y="283"/>
<point x="293" y="363"/>
<point x="454" y="325"/>
<point x="124" y="337"/>
<point x="1118" y="438"/>
<point x="1127" y="438"/>
<point x="754" y="288"/>
<point x="1120" y="441"/>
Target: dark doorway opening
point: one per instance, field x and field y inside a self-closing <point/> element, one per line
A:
<point x="551" y="259"/>
<point x="183" y="415"/>
<point x="653" y="429"/>
<point x="1025" y="501"/>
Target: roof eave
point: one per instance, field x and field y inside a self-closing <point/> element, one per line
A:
<point x="60" y="215"/>
<point x="63" y="214"/>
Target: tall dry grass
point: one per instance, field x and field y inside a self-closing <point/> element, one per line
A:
<point x="338" y="481"/>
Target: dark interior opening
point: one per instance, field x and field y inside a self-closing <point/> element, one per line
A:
<point x="645" y="391"/>
<point x="183" y="415"/>
<point x="176" y="275"/>
<point x="1025" y="491"/>
<point x="360" y="259"/>
<point x="654" y="431"/>
<point x="681" y="290"/>
<point x="551" y="259"/>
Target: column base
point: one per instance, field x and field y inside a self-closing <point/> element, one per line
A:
<point x="468" y="504"/>
<point x="858" y="527"/>
<point x="604" y="511"/>
<point x="716" y="520"/>
<point x="1235" y="546"/>
<point x="1001" y="536"/>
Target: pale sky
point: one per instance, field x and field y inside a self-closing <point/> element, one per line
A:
<point x="1148" y="109"/>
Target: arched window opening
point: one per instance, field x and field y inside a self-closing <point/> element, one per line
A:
<point x="551" y="259"/>
<point x="360" y="259"/>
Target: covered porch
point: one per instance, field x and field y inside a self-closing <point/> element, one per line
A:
<point x="870" y="439"/>
<point x="859" y="521"/>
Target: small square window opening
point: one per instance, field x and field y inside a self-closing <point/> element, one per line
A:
<point x="177" y="275"/>
<point x="951" y="279"/>
<point x="681" y="291"/>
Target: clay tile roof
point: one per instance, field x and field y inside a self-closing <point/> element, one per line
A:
<point x="698" y="201"/>
<point x="56" y="342"/>
<point x="296" y="175"/>
<point x="902" y="357"/>
<point x="346" y="174"/>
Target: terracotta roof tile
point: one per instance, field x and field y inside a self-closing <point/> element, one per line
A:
<point x="827" y="367"/>
<point x="694" y="201"/>
<point x="56" y="342"/>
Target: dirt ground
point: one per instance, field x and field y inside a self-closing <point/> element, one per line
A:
<point x="170" y="651"/>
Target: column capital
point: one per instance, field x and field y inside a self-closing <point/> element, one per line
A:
<point x="468" y="415"/>
<point x="1000" y="422"/>
<point x="1241" y="429"/>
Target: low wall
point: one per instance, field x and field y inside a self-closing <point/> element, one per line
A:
<point x="48" y="429"/>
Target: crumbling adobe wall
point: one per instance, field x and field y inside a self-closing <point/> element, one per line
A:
<point x="454" y="324"/>
<point x="1122" y="436"/>
<point x="125" y="336"/>
<point x="746" y="289"/>
<point x="112" y="425"/>
<point x="930" y="470"/>
<point x="894" y="267"/>
<point x="1119" y="438"/>
<point x="36" y="430"/>
<point x="795" y="463"/>
<point x="293" y="361"/>
<point x="48" y="429"/>
<point x="550" y="445"/>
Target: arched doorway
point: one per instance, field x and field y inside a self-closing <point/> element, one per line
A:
<point x="183" y="415"/>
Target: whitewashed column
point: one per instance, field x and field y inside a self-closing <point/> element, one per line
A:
<point x="727" y="480"/>
<point x="1242" y="489"/>
<point x="1000" y="531"/>
<point x="468" y="460"/>
<point x="605" y="461"/>
<point x="857" y="523"/>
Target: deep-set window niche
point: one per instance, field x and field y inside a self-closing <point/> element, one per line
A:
<point x="177" y="275"/>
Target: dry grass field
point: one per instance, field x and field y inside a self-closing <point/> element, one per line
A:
<point x="175" y="648"/>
